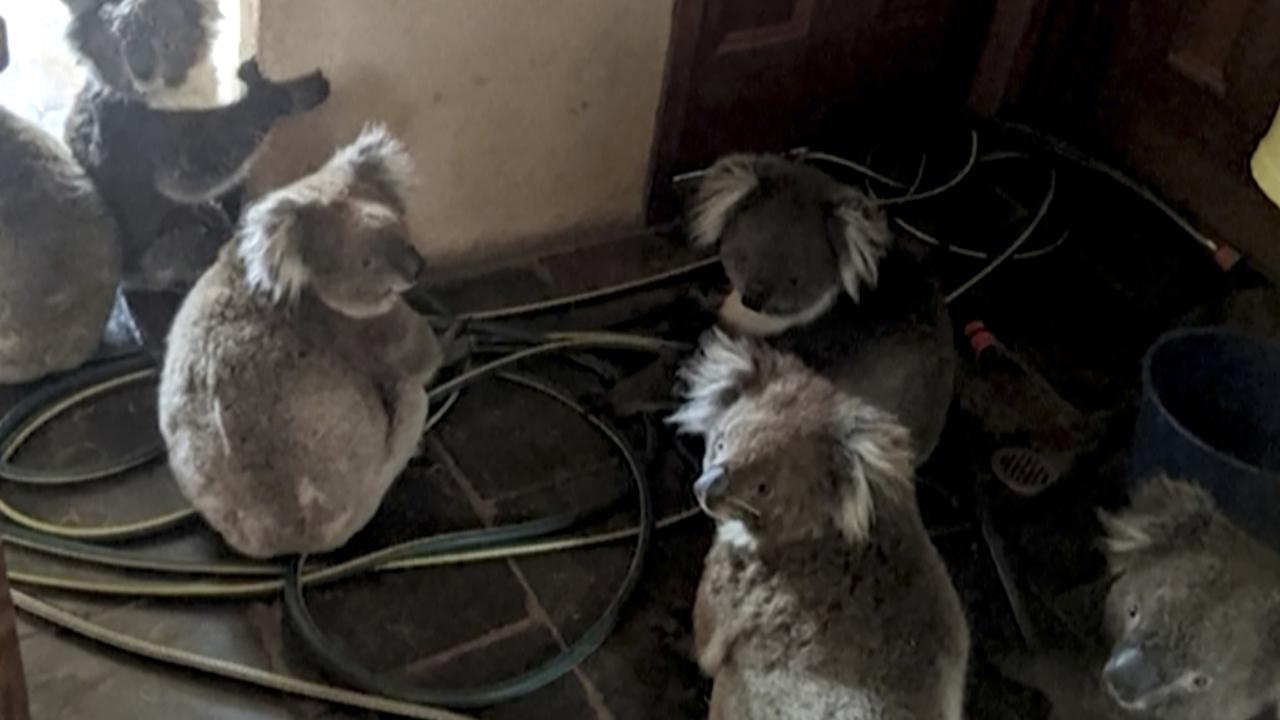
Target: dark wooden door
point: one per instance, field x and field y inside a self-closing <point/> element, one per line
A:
<point x="772" y="74"/>
<point x="1181" y="91"/>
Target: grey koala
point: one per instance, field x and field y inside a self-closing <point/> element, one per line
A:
<point x="162" y="171"/>
<point x="816" y="270"/>
<point x="822" y="595"/>
<point x="59" y="253"/>
<point x="292" y="393"/>
<point x="1193" y="616"/>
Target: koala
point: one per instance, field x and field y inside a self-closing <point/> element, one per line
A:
<point x="163" y="171"/>
<point x="822" y="595"/>
<point x="59" y="253"/>
<point x="1193" y="615"/>
<point x="816" y="271"/>
<point x="293" y="388"/>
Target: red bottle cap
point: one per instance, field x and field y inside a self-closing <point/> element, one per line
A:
<point x="979" y="337"/>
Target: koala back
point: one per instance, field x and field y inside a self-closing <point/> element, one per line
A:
<point x="59" y="248"/>
<point x="276" y="436"/>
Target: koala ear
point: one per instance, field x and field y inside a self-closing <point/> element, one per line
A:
<point x="860" y="237"/>
<point x="378" y="159"/>
<point x="727" y="183"/>
<point x="873" y="459"/>
<point x="4" y="46"/>
<point x="1163" y="512"/>
<point x="270" y="245"/>
<point x="723" y="371"/>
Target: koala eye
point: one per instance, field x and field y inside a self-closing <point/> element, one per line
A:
<point x="1134" y="611"/>
<point x="718" y="448"/>
<point x="1201" y="682"/>
<point x="794" y="282"/>
<point x="763" y="490"/>
<point x="366" y="263"/>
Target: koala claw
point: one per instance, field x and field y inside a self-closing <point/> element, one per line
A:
<point x="308" y="91"/>
<point x="251" y="73"/>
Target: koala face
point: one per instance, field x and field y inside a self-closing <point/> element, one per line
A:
<point x="1192" y="615"/>
<point x="790" y="237"/>
<point x="778" y="480"/>
<point x="789" y="457"/>
<point x="777" y="254"/>
<point x="361" y="260"/>
<point x="139" y="47"/>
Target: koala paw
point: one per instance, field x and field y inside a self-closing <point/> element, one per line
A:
<point x="307" y="92"/>
<point x="251" y="73"/>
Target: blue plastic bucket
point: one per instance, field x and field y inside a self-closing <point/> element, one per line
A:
<point x="1211" y="414"/>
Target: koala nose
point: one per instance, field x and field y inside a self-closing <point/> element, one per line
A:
<point x="1130" y="674"/>
<point x="141" y="58"/>
<point x="754" y="296"/>
<point x="710" y="485"/>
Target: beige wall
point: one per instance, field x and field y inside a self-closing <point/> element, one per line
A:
<point x="530" y="120"/>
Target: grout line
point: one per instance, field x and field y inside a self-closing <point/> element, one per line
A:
<point x="494" y="636"/>
<point x="537" y="612"/>
<point x="484" y="509"/>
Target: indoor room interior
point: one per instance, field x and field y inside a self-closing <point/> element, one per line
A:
<point x="639" y="359"/>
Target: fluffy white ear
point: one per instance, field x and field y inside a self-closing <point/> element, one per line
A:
<point x="874" y="461"/>
<point x="378" y="158"/>
<point x="722" y="371"/>
<point x="860" y="239"/>
<point x="1162" y="512"/>
<point x="727" y="183"/>
<point x="270" y="246"/>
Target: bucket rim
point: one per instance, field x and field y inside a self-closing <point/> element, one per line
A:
<point x="1148" y="387"/>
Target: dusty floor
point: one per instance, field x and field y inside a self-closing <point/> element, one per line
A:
<point x="1082" y="316"/>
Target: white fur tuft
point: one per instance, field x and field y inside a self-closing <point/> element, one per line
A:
<point x="735" y="534"/>
<point x="1163" y="511"/>
<point x="270" y="247"/>
<point x="378" y="156"/>
<point x="877" y="449"/>
<point x="865" y="239"/>
<point x="724" y="186"/>
<point x="743" y="319"/>
<point x="713" y="380"/>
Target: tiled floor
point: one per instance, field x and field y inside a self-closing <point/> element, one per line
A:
<point x="1082" y="316"/>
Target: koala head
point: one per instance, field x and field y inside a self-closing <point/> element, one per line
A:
<point x="339" y="233"/>
<point x="1194" y="611"/>
<point x="139" y="47"/>
<point x="790" y="237"/>
<point x="788" y="456"/>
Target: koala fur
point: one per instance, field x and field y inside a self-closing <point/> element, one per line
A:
<point x="822" y="595"/>
<point x="1193" y="616"/>
<point x="59" y="253"/>
<point x="162" y="171"/>
<point x="816" y="270"/>
<point x="293" y="393"/>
